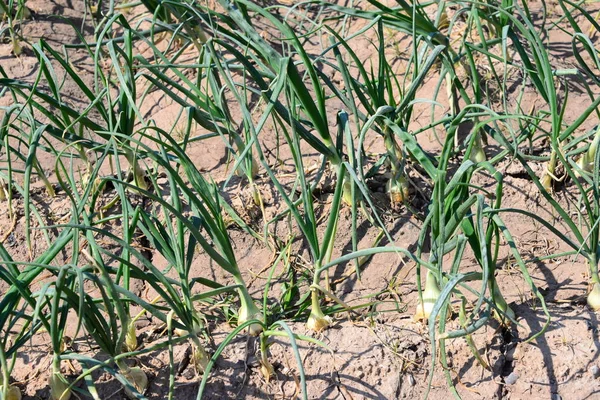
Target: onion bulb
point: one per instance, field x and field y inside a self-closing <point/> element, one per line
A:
<point x="138" y="379"/>
<point x="10" y="392"/>
<point x="13" y="393"/>
<point x="59" y="387"/>
<point x="254" y="169"/>
<point x="266" y="368"/>
<point x="347" y="191"/>
<point x="17" y="49"/>
<point x="398" y="190"/>
<point x="200" y="357"/>
<point x="3" y="190"/>
<point x="584" y="164"/>
<point x="317" y="321"/>
<point x="256" y="195"/>
<point x="477" y="153"/>
<point x="547" y="182"/>
<point x="593" y="298"/>
<point x="249" y="311"/>
<point x="25" y="13"/>
<point x="139" y="175"/>
<point x="430" y="296"/>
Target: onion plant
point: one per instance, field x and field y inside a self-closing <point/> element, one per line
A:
<point x="376" y="92"/>
<point x="288" y="81"/>
<point x="584" y="228"/>
<point x="22" y="140"/>
<point x="24" y="313"/>
<point x="206" y="93"/>
<point x="564" y="151"/>
<point x="224" y="42"/>
<point x="270" y="64"/>
<point x="205" y="204"/>
<point x="457" y="218"/>
<point x="11" y="343"/>
<point x="12" y="14"/>
<point x="431" y="39"/>
<point x="73" y="126"/>
<point x="105" y="318"/>
<point x="176" y="237"/>
<point x="51" y="293"/>
<point x="306" y="219"/>
<point x="170" y="238"/>
<point x="91" y="260"/>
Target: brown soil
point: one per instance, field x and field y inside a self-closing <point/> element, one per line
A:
<point x="378" y="353"/>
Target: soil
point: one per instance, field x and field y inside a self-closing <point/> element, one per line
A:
<point x="377" y="352"/>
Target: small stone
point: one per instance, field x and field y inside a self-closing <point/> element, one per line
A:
<point x="511" y="379"/>
<point x="189" y="373"/>
<point x="555" y="396"/>
<point x="142" y="323"/>
<point x="595" y="371"/>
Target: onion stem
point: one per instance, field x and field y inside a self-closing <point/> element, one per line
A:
<point x="586" y="161"/>
<point x="130" y="337"/>
<point x="507" y="314"/>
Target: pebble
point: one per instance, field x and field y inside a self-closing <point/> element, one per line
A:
<point x="555" y="396"/>
<point x="511" y="379"/>
<point x="595" y="371"/>
<point x="189" y="373"/>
